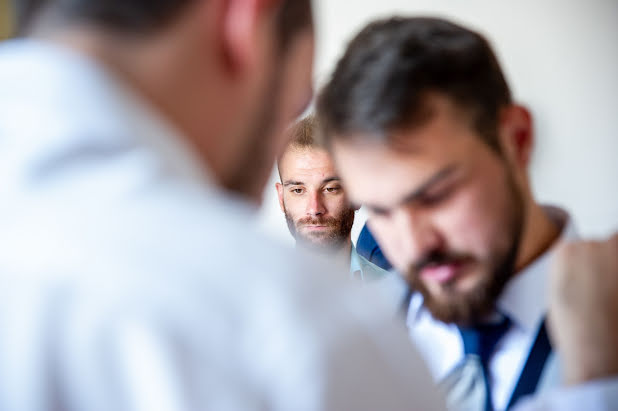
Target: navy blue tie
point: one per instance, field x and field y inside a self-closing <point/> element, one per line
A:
<point x="480" y="340"/>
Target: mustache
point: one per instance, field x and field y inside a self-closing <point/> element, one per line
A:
<point x="326" y="221"/>
<point x="437" y="257"/>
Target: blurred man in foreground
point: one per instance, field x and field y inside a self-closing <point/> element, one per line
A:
<point x="134" y="137"/>
<point x="425" y="134"/>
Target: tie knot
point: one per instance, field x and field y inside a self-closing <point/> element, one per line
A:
<point x="481" y="339"/>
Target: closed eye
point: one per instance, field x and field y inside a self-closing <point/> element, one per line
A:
<point x="432" y="199"/>
<point x="379" y="212"/>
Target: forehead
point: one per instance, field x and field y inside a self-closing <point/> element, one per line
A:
<point x="382" y="172"/>
<point x="307" y="162"/>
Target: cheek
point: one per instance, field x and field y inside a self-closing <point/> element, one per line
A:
<point x="295" y="87"/>
<point x="336" y="205"/>
<point x="475" y="222"/>
<point x="294" y="206"/>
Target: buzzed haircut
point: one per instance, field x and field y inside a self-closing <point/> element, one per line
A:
<point x="144" y="17"/>
<point x="303" y="134"/>
<point x="382" y="83"/>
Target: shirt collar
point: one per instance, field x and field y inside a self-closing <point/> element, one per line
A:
<point x="356" y="269"/>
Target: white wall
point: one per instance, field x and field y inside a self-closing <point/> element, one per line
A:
<point x="561" y="60"/>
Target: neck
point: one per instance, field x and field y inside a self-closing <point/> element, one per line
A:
<point x="538" y="235"/>
<point x="168" y="74"/>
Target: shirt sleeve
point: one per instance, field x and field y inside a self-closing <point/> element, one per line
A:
<point x="599" y="395"/>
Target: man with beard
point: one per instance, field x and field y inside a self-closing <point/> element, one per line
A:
<point x="425" y="134"/>
<point x="136" y="137"/>
<point x="314" y="203"/>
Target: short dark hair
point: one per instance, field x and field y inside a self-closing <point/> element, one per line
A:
<point x="382" y="82"/>
<point x="147" y="16"/>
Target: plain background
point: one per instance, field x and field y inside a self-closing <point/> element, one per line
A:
<point x="561" y="61"/>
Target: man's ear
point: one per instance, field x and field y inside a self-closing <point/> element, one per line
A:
<point x="279" y="187"/>
<point x="243" y="25"/>
<point x="517" y="134"/>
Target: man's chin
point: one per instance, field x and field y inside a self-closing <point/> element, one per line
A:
<point x="456" y="288"/>
<point x="321" y="238"/>
<point x="459" y="301"/>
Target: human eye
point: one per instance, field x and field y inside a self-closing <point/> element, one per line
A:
<point x="333" y="189"/>
<point x="297" y="190"/>
<point x="435" y="197"/>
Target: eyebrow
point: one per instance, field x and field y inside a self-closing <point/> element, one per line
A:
<point x="420" y="191"/>
<point x="300" y="183"/>
<point x="292" y="183"/>
<point x="330" y="180"/>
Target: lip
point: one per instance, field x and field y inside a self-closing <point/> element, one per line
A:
<point x="315" y="227"/>
<point x="441" y="273"/>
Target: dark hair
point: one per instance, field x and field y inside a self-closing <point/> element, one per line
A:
<point x="147" y="16"/>
<point x="381" y="83"/>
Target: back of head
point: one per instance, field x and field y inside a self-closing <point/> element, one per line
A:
<point x="138" y="17"/>
<point x="382" y="82"/>
<point x="132" y="16"/>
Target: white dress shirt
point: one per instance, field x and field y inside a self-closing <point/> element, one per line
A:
<point x="524" y="301"/>
<point x="129" y="282"/>
<point x="387" y="285"/>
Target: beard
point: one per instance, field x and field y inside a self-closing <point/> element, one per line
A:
<point x="470" y="307"/>
<point x="330" y="240"/>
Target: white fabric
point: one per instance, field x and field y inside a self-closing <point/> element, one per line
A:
<point x="121" y="286"/>
<point x="600" y="395"/>
<point x="524" y="301"/>
<point x="387" y="285"/>
<point x="364" y="269"/>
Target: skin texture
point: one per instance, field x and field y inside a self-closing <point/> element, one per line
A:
<point x="313" y="200"/>
<point x="584" y="309"/>
<point x="454" y="215"/>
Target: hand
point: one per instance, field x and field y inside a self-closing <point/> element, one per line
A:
<point x="583" y="313"/>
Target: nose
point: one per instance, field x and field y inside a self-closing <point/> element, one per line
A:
<point x="417" y="233"/>
<point x="315" y="206"/>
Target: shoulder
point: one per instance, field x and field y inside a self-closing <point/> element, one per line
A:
<point x="370" y="270"/>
